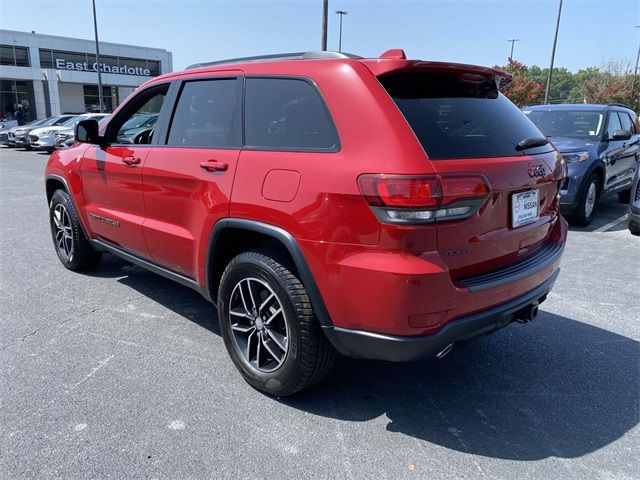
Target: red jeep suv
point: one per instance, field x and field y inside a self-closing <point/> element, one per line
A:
<point x="380" y="208"/>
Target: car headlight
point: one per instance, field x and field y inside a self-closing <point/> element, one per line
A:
<point x="575" y="157"/>
<point x="49" y="132"/>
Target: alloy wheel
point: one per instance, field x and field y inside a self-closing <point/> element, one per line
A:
<point x="259" y="325"/>
<point x="590" y="202"/>
<point x="63" y="231"/>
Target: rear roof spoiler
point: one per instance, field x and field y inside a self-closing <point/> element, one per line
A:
<point x="395" y="60"/>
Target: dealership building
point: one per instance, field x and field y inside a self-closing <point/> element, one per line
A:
<point x="46" y="75"/>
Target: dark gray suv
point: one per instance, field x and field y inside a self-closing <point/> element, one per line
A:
<point x="600" y="146"/>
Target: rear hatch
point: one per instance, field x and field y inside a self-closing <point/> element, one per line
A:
<point x="466" y="126"/>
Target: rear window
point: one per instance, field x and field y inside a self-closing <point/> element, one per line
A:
<point x="457" y="119"/>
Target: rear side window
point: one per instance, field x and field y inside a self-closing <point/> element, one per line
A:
<point x="286" y="114"/>
<point x="453" y="118"/>
<point x="206" y="115"/>
<point x="626" y="122"/>
<point x="613" y="124"/>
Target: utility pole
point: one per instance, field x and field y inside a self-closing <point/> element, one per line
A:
<point x="342" y="13"/>
<point x="95" y="28"/>
<point x="325" y="15"/>
<point x="634" y="101"/>
<point x="513" y="41"/>
<point x="553" y="55"/>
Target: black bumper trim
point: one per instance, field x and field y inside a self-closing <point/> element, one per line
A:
<point x="376" y="346"/>
<point x="541" y="259"/>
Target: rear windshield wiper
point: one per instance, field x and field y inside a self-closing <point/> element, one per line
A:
<point x="530" y="143"/>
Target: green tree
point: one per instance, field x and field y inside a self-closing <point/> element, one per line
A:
<point x="522" y="90"/>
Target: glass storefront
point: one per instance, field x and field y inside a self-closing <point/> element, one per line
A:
<point x="92" y="100"/>
<point x="16" y="96"/>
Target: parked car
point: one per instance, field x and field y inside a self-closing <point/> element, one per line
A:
<point x="66" y="138"/>
<point x="634" y="206"/>
<point x="379" y="208"/>
<point x="7" y="124"/>
<point x="8" y="140"/>
<point x="43" y="138"/>
<point x="599" y="144"/>
<point x="19" y="136"/>
<point x="140" y="123"/>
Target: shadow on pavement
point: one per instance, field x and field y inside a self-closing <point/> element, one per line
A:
<point x="557" y="387"/>
<point x="554" y="387"/>
<point x="609" y="210"/>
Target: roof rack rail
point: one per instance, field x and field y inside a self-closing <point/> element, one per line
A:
<point x="277" y="56"/>
<point x="614" y="104"/>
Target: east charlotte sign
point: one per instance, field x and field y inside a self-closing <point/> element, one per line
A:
<point x="62" y="64"/>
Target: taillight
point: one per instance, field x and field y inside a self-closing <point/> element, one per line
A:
<point x="423" y="199"/>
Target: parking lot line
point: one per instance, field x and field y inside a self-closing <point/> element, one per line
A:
<point x="612" y="224"/>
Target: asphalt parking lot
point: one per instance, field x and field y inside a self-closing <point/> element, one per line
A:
<point x="121" y="373"/>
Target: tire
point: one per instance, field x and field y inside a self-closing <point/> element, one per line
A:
<point x="307" y="357"/>
<point x="588" y="204"/>
<point x="73" y="249"/>
<point x="624" y="197"/>
<point x="634" y="228"/>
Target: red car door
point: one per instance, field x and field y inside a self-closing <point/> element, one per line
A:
<point x="188" y="177"/>
<point x="112" y="175"/>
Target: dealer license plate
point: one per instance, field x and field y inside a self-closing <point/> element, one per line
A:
<point x="525" y="208"/>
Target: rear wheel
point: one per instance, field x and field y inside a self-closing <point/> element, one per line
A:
<point x="588" y="203"/>
<point x="73" y="249"/>
<point x="269" y="327"/>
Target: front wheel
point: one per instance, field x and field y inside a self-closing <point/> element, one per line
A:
<point x="73" y="249"/>
<point x="269" y="327"/>
<point x="588" y="203"/>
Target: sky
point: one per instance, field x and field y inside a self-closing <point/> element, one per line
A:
<point x="466" y="31"/>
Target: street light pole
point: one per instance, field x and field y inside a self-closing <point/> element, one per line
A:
<point x="95" y="28"/>
<point x="553" y="55"/>
<point x="513" y="41"/>
<point x="634" y="101"/>
<point x="325" y="15"/>
<point x="342" y="13"/>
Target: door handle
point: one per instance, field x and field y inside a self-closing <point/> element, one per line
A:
<point x="131" y="161"/>
<point x="214" y="166"/>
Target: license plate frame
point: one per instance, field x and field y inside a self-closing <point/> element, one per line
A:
<point x="522" y="208"/>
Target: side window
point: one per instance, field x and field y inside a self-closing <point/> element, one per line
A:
<point x="286" y="114"/>
<point x="206" y="115"/>
<point x="625" y="121"/>
<point x="613" y="124"/>
<point x="135" y="124"/>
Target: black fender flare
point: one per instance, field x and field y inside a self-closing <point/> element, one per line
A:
<point x="594" y="167"/>
<point x="61" y="179"/>
<point x="287" y="240"/>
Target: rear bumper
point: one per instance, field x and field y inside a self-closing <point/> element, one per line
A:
<point x="361" y="344"/>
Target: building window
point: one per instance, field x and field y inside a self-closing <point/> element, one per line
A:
<point x="92" y="100"/>
<point x="15" y="96"/>
<point x="15" y="56"/>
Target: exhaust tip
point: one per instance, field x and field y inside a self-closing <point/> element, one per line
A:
<point x="444" y="351"/>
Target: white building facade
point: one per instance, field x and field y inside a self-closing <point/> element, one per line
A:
<point x="44" y="75"/>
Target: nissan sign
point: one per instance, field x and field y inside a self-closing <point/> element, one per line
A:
<point x="62" y="64"/>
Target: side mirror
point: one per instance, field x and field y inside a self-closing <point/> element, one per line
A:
<point x="87" y="132"/>
<point x="621" y="135"/>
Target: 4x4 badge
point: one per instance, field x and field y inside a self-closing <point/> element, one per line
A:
<point x="536" y="170"/>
